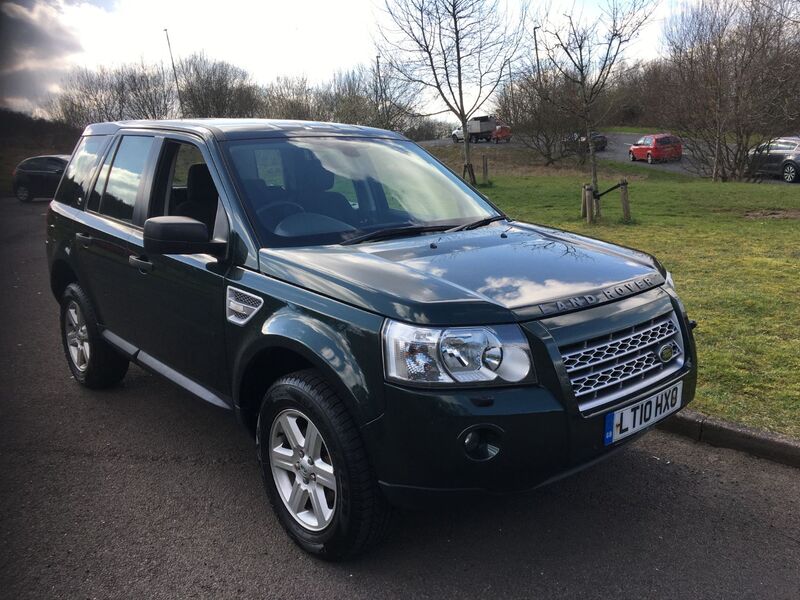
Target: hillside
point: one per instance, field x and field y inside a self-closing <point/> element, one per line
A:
<point x="22" y="136"/>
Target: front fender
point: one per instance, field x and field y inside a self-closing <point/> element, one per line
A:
<point x="344" y="347"/>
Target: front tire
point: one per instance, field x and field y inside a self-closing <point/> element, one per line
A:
<point x="92" y="361"/>
<point x="789" y="173"/>
<point x="315" y="469"/>
<point x="649" y="159"/>
<point x="631" y="156"/>
<point x="455" y="139"/>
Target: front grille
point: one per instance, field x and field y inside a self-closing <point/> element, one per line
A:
<point x="604" y="369"/>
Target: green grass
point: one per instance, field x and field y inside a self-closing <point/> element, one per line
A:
<point x="629" y="129"/>
<point x="738" y="276"/>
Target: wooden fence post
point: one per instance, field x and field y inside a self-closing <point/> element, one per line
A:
<point x="623" y="196"/>
<point x="588" y="200"/>
<point x="583" y="201"/>
<point x="485" y="169"/>
<point x="596" y="204"/>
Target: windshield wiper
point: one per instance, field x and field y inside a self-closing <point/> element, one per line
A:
<point x="478" y="223"/>
<point x="390" y="232"/>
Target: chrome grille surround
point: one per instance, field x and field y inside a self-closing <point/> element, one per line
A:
<point x="604" y="369"/>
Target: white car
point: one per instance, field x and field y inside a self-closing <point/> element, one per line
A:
<point x="457" y="135"/>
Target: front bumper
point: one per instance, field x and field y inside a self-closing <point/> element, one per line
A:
<point x="419" y="452"/>
<point x="418" y="445"/>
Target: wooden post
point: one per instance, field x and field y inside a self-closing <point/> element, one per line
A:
<point x="485" y="169"/>
<point x="596" y="203"/>
<point x="589" y="201"/>
<point x="583" y="201"/>
<point x="623" y="196"/>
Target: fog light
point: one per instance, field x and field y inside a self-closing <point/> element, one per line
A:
<point x="482" y="442"/>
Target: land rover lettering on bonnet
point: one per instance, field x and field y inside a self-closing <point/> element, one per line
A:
<point x="385" y="334"/>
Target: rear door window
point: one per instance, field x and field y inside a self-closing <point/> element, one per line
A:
<point x="125" y="178"/>
<point x="75" y="182"/>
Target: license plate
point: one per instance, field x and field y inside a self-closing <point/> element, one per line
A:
<point x="631" y="419"/>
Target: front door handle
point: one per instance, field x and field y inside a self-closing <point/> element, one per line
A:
<point x="85" y="240"/>
<point x="144" y="266"/>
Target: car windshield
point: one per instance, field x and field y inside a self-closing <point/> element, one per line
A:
<point x="314" y="191"/>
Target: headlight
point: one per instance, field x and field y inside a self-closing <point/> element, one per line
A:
<point x="456" y="355"/>
<point x="669" y="281"/>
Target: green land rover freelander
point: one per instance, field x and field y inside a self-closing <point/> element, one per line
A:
<point x="387" y="335"/>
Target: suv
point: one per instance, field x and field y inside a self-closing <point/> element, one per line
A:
<point x="656" y="148"/>
<point x="386" y="334"/>
<point x="777" y="157"/>
<point x="38" y="176"/>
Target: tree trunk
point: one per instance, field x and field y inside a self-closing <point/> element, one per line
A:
<point x="469" y="171"/>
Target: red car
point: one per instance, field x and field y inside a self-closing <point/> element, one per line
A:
<point x="501" y="133"/>
<point x="657" y="147"/>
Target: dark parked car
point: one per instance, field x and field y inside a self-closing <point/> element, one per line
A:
<point x="576" y="142"/>
<point x="779" y="157"/>
<point x="38" y="177"/>
<point x="384" y="332"/>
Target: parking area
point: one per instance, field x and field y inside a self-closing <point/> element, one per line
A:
<point x="144" y="491"/>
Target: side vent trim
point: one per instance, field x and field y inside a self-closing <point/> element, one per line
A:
<point x="240" y="306"/>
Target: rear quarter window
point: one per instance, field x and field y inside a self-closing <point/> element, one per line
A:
<point x="76" y="178"/>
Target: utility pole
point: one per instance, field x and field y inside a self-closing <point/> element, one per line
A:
<point x="174" y="73"/>
<point x="379" y="91"/>
<point x="511" y="92"/>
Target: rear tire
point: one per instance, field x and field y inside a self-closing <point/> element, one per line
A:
<point x="92" y="361"/>
<point x="360" y="514"/>
<point x="23" y="193"/>
<point x="790" y="173"/>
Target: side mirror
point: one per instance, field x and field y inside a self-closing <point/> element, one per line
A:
<point x="179" y="235"/>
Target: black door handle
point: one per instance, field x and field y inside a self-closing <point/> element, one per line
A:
<point x="85" y="240"/>
<point x="144" y="266"/>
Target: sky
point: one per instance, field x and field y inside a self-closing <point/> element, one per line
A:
<point x="40" y="40"/>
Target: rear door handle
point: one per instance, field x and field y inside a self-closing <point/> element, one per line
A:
<point x="85" y="240"/>
<point x="144" y="266"/>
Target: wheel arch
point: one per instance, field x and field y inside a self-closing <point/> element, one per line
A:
<point x="61" y="275"/>
<point x="290" y="342"/>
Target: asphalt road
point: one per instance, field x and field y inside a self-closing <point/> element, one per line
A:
<point x="145" y="492"/>
<point x="617" y="150"/>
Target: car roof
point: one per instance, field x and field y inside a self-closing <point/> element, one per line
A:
<point x="65" y="157"/>
<point x="232" y="129"/>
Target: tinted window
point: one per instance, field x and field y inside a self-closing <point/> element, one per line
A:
<point x="55" y="164"/>
<point x="33" y="164"/>
<point x="125" y="177"/>
<point x="75" y="182"/>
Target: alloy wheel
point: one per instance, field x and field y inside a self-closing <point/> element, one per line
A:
<point x="23" y="193"/>
<point x="77" y="337"/>
<point x="302" y="469"/>
<point x="790" y="173"/>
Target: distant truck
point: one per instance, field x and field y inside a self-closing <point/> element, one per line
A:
<point x="487" y="127"/>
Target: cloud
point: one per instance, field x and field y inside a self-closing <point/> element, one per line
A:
<point x="35" y="50"/>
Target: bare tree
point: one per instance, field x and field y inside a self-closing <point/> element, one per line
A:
<point x="455" y="50"/>
<point x="290" y="98"/>
<point x="533" y="109"/>
<point x="90" y="96"/>
<point x="149" y="91"/>
<point x="584" y="55"/>
<point x="735" y="63"/>
<point x="215" y="88"/>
